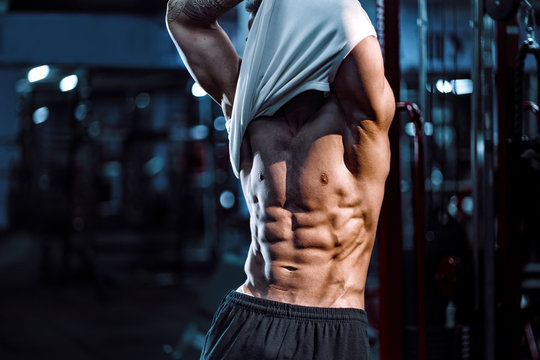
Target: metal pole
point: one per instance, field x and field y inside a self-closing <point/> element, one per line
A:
<point x="423" y="39"/>
<point x="208" y="195"/>
<point x="419" y="219"/>
<point x="482" y="154"/>
<point x="422" y="98"/>
<point x="475" y="109"/>
<point x="390" y="225"/>
<point x="508" y="219"/>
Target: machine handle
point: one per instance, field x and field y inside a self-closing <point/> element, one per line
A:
<point x="533" y="109"/>
<point x="525" y="49"/>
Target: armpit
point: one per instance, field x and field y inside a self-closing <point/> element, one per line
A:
<point x="252" y="6"/>
<point x="200" y="10"/>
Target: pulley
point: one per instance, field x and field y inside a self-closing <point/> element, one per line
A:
<point x="502" y="9"/>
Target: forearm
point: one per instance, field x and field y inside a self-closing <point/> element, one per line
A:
<point x="204" y="47"/>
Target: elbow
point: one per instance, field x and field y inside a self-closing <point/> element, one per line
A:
<point x="180" y="30"/>
<point x="180" y="12"/>
<point x="174" y="11"/>
<point x="174" y="8"/>
<point x="385" y="108"/>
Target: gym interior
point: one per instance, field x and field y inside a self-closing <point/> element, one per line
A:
<point x="122" y="225"/>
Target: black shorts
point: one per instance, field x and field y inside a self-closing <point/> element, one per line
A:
<point x="245" y="327"/>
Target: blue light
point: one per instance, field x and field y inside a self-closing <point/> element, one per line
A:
<point x="467" y="204"/>
<point x="40" y="115"/>
<point x="198" y="91"/>
<point x="410" y="129"/>
<point x="69" y="83"/>
<point x="227" y="199"/>
<point x="428" y="129"/>
<point x="220" y="124"/>
<point x="444" y="86"/>
<point x="199" y="132"/>
<point x="38" y="73"/>
<point x="463" y="86"/>
<point x="437" y="177"/>
<point x="142" y="100"/>
<point x="154" y="166"/>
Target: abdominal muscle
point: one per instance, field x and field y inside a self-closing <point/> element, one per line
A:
<point x="314" y="200"/>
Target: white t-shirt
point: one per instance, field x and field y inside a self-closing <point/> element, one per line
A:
<point x="293" y="46"/>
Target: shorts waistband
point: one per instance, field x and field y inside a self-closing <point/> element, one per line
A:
<point x="279" y="309"/>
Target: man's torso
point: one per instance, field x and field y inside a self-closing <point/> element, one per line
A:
<point x="313" y="178"/>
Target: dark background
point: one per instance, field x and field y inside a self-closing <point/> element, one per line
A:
<point x="122" y="225"/>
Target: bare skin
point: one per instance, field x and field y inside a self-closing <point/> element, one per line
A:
<point x="313" y="174"/>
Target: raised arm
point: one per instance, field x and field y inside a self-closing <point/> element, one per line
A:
<point x="204" y="47"/>
<point x="362" y="88"/>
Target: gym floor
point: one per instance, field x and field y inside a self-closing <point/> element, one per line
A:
<point x="128" y="311"/>
<point x="126" y="318"/>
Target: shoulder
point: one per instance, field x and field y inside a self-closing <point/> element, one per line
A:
<point x="361" y="87"/>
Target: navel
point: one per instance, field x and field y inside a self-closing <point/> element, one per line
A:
<point x="324" y="179"/>
<point x="290" y="268"/>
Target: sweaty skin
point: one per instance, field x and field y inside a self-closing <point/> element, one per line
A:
<point x="313" y="177"/>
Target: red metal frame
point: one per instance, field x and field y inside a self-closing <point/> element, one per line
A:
<point x="390" y="225"/>
<point x="507" y="51"/>
<point x="419" y="222"/>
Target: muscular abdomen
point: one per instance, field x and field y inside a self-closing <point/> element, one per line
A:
<point x="314" y="200"/>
